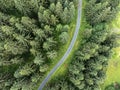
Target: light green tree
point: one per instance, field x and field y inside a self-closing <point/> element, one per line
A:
<point x="64" y="37"/>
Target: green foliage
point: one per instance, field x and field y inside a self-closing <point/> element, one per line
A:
<point x="31" y="32"/>
<point x="29" y="39"/>
<point x="64" y="37"/>
<point x="94" y="55"/>
<point x="113" y="86"/>
<point x="87" y="69"/>
<point x="52" y="54"/>
<point x="101" y="11"/>
<point x="39" y="60"/>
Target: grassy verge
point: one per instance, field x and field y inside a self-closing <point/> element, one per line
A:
<point x="113" y="70"/>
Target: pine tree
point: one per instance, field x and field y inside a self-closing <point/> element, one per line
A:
<point x="65" y="16"/>
<point x="64" y="37"/>
<point x="59" y="9"/>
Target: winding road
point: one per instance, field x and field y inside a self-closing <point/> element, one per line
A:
<point x="62" y="60"/>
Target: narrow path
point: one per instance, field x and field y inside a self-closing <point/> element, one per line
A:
<point x="62" y="60"/>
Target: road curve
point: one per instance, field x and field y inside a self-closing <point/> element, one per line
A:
<point x="62" y="60"/>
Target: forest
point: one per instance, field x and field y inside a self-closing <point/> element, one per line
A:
<point x="32" y="32"/>
<point x="87" y="70"/>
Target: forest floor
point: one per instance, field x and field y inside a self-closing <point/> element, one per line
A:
<point x="113" y="70"/>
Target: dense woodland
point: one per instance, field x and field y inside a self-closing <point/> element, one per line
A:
<point x="88" y="67"/>
<point x="31" y="33"/>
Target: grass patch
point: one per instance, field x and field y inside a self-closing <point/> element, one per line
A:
<point x="116" y="22"/>
<point x="113" y="70"/>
